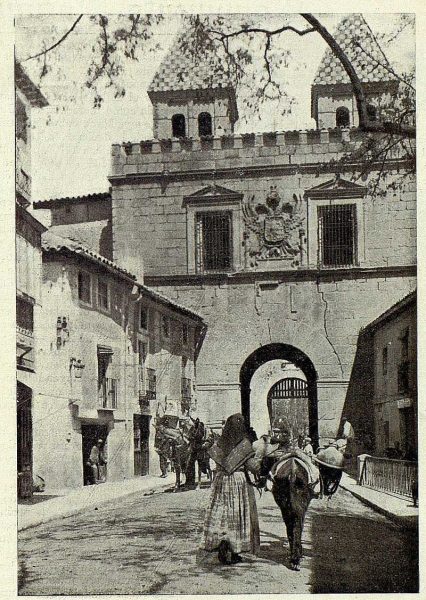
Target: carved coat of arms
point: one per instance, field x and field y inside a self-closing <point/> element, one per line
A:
<point x="274" y="228"/>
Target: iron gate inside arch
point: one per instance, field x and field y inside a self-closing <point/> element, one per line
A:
<point x="288" y="401"/>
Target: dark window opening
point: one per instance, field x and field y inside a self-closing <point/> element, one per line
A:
<point x="184" y="333"/>
<point x="205" y="124"/>
<point x="84" y="287"/>
<point x="372" y="112"/>
<point x="21" y="121"/>
<point x="337" y="235"/>
<point x="143" y="323"/>
<point x="165" y="326"/>
<point x="213" y="241"/>
<point x="103" y="297"/>
<point x="404" y="365"/>
<point x="385" y="361"/>
<point x="178" y="126"/>
<point x="342" y="117"/>
<point x="24" y="314"/>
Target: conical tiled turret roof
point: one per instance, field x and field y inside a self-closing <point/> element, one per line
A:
<point x="186" y="69"/>
<point x="368" y="61"/>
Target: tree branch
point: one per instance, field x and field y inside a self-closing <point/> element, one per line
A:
<point x="267" y="32"/>
<point x="66" y="34"/>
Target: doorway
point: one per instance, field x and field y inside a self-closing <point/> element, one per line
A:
<point x="141" y="444"/>
<point x="288" y="400"/>
<point x="305" y="387"/>
<point x="90" y="434"/>
<point x="24" y="440"/>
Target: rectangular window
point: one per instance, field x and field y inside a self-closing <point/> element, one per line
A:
<point x="143" y="318"/>
<point x="24" y="314"/>
<point x="385" y="362"/>
<point x="185" y="334"/>
<point x="404" y="365"/>
<point x="142" y="350"/>
<point x="337" y="235"/>
<point x="107" y="385"/>
<point x="165" y="326"/>
<point x="84" y="287"/>
<point x="103" y="295"/>
<point x="213" y="242"/>
<point x="21" y="120"/>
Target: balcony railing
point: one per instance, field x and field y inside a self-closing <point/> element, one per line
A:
<point x="108" y="393"/>
<point x="389" y="475"/>
<point x="186" y="395"/>
<point x="147" y="387"/>
<point x="24" y="347"/>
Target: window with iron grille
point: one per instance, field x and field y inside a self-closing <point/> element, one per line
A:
<point x="107" y="385"/>
<point x="337" y="235"/>
<point x="213" y="241"/>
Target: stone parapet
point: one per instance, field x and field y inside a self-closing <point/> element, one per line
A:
<point x="273" y="148"/>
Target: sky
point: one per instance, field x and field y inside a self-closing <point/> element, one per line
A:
<point x="71" y="141"/>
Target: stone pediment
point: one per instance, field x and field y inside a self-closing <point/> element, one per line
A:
<point x="213" y="193"/>
<point x="337" y="188"/>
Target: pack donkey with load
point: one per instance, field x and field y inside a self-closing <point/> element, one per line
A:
<point x="185" y="444"/>
<point x="295" y="480"/>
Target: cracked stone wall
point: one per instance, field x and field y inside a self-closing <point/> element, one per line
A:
<point x="320" y="314"/>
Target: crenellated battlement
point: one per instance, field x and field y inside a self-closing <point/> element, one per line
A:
<point x="236" y="150"/>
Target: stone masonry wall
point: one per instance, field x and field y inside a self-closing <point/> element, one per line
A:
<point x="150" y="218"/>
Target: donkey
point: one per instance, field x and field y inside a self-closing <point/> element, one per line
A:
<point x="292" y="491"/>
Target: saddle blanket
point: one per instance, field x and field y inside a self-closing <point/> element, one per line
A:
<point x="311" y="470"/>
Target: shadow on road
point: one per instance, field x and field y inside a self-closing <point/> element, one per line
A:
<point x="351" y="554"/>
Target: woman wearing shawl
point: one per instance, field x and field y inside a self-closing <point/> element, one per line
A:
<point x="231" y="524"/>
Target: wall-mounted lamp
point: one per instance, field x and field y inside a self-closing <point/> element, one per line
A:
<point x="68" y="438"/>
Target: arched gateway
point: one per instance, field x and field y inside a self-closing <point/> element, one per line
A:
<point x="299" y="359"/>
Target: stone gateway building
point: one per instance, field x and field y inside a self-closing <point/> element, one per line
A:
<point x="285" y="256"/>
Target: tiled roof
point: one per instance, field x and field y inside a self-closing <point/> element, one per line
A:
<point x="352" y="29"/>
<point x="94" y="235"/>
<point x="28" y="87"/>
<point x="392" y="312"/>
<point x="167" y="301"/>
<point x="55" y="243"/>
<point x="71" y="199"/>
<point x="183" y="69"/>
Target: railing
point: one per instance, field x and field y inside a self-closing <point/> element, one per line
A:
<point x="389" y="475"/>
<point x="108" y="393"/>
<point x="24" y="347"/>
<point x="185" y="393"/>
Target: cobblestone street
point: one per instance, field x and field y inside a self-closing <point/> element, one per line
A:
<point x="148" y="545"/>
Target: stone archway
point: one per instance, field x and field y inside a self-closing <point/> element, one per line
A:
<point x="291" y="354"/>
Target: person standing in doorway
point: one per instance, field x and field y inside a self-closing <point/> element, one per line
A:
<point x="96" y="460"/>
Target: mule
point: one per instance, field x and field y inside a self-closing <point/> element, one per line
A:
<point x="292" y="492"/>
<point x="180" y="451"/>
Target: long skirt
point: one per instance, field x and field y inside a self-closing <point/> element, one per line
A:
<point x="232" y="514"/>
